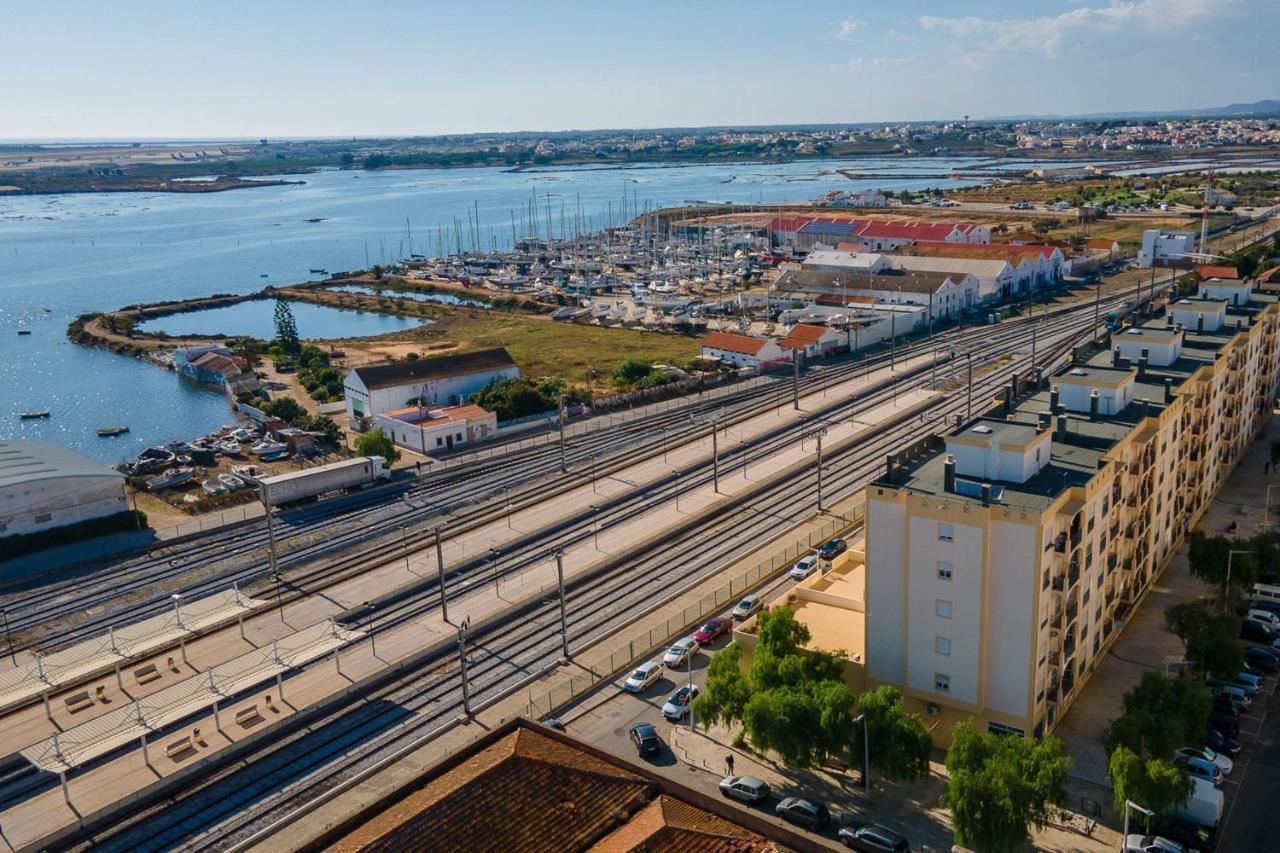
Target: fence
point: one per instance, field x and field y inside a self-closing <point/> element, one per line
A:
<point x="625" y="652"/>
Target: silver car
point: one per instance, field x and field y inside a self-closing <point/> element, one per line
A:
<point x="747" y="789"/>
<point x="747" y="607"/>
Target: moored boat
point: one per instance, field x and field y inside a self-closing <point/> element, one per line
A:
<point x="169" y="479"/>
<point x="231" y="481"/>
<point x="31" y="416"/>
<point x="107" y="431"/>
<point x="213" y="487"/>
<point x="263" y="448"/>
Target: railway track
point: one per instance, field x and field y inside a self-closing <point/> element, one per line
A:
<point x="265" y="788"/>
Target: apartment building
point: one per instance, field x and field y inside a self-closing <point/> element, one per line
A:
<point x="1004" y="557"/>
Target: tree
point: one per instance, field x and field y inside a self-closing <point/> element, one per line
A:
<point x="1211" y="637"/>
<point x="347" y="158"/>
<point x="1043" y="225"/>
<point x="727" y="689"/>
<point x="630" y="371"/>
<point x="998" y="786"/>
<point x="1160" y="714"/>
<point x="286" y="409"/>
<point x="900" y="741"/>
<point x="1154" y="783"/>
<point x="1209" y="559"/>
<point x="286" y="328"/>
<point x="327" y="427"/>
<point x="377" y="444"/>
<point x="803" y="723"/>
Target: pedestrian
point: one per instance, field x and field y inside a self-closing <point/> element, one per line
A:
<point x="728" y="765"/>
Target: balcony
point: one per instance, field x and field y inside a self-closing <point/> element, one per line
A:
<point x="1073" y="572"/>
<point x="1072" y="610"/>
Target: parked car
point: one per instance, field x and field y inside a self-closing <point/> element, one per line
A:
<point x="1220" y="743"/>
<point x="678" y="705"/>
<point x="643" y="677"/>
<point x="747" y="789"/>
<point x="747" y="607"/>
<point x="1190" y="835"/>
<point x="645" y="737"/>
<point x="681" y="653"/>
<point x="874" y="838"/>
<point x="1262" y="659"/>
<point x="806" y="813"/>
<point x="1264" y="616"/>
<point x="1246" y="683"/>
<point x="832" y="548"/>
<point x="1227" y="705"/>
<point x="713" y="629"/>
<point x="553" y="723"/>
<point x="1248" y="677"/>
<point x="1225" y="722"/>
<point x="1206" y="754"/>
<point x="1151" y="844"/>
<point x="1255" y="631"/>
<point x="804" y="566"/>
<point x="1200" y="769"/>
<point x="1238" y="694"/>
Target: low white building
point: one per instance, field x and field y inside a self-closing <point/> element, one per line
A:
<point x="813" y="341"/>
<point x="997" y="279"/>
<point x="1166" y="248"/>
<point x="945" y="295"/>
<point x="444" y="381"/>
<point x="44" y="486"/>
<point x="1199" y="315"/>
<point x="427" y="430"/>
<point x="743" y="350"/>
<point x="1236" y="291"/>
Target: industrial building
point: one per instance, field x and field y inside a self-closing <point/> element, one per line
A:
<point x="444" y="381"/>
<point x="943" y="295"/>
<point x="997" y="277"/>
<point x="1004" y="557"/>
<point x="44" y="486"/>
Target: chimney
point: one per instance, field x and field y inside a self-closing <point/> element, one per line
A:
<point x="1115" y="357"/>
<point x="1061" y="434"/>
<point x="1168" y="390"/>
<point x="1014" y="386"/>
<point x="1146" y="407"/>
<point x="1142" y="364"/>
<point x="1008" y="400"/>
<point x="888" y="469"/>
<point x="1045" y="420"/>
<point x="1093" y="403"/>
<point x="1053" y="398"/>
<point x="1199" y="323"/>
<point x="986" y="494"/>
<point x="949" y="474"/>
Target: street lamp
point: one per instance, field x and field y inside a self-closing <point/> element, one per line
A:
<point x="494" y="553"/>
<point x="866" y="756"/>
<point x="373" y="638"/>
<point x="177" y="607"/>
<point x="1130" y="804"/>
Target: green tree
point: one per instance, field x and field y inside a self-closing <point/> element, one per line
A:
<point x="1211" y="637"/>
<point x="804" y="723"/>
<point x="286" y="328"/>
<point x="630" y="371"/>
<point x="347" y="158"/>
<point x="377" y="444"/>
<point x="325" y="426"/>
<point x="1160" y="714"/>
<point x="900" y="741"/>
<point x="1209" y="558"/>
<point x="1153" y="783"/>
<point x="727" y="689"/>
<point x="998" y="786"/>
<point x="1043" y="225"/>
<point x="286" y="409"/>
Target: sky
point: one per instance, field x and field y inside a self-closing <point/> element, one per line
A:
<point x="130" y="69"/>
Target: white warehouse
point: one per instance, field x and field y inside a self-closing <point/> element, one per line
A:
<point x="45" y="486"/>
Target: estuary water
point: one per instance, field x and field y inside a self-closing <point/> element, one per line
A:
<point x="63" y="255"/>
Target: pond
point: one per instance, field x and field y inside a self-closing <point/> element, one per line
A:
<point x="256" y="318"/>
<point x="416" y="296"/>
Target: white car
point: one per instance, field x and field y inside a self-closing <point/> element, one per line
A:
<point x="678" y="705"/>
<point x="1266" y="617"/>
<point x="681" y="653"/>
<point x="804" y="567"/>
<point x="1151" y="844"/>
<point x="745" y="608"/>
<point x="1219" y="760"/>
<point x="643" y="677"/>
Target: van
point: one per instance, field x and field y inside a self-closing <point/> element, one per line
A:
<point x="1266" y="592"/>
<point x="1205" y="805"/>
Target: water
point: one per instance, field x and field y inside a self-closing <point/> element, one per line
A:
<point x="92" y="252"/>
<point x="416" y="296"/>
<point x="256" y="318"/>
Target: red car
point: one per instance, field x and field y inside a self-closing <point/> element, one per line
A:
<point x="713" y="629"/>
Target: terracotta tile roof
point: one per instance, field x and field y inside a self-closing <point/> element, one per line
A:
<point x="802" y="335"/>
<point x="668" y="824"/>
<point x="934" y="231"/>
<point x="984" y="251"/>
<point x="1101" y="244"/>
<point x="1204" y="271"/>
<point x="527" y="791"/>
<point x="734" y="343"/>
<point x="1271" y="276"/>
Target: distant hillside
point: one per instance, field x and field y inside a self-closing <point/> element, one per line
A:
<point x="1258" y="109"/>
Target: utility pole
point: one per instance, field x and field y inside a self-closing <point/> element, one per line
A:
<point x="795" y="379"/>
<point x="564" y="620"/>
<point x="968" y="410"/>
<point x="271" y="531"/>
<point x="564" y="465"/>
<point x="817" y="434"/>
<point x="1097" y="301"/>
<point x="462" y="664"/>
<point x="1033" y="346"/>
<point x="444" y="598"/>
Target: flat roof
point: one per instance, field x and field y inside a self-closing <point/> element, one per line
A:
<point x="33" y="461"/>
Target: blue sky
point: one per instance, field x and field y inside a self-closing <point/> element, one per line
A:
<point x="320" y="68"/>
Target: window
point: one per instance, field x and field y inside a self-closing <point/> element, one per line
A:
<point x="944" y="570"/>
<point x="439" y="441"/>
<point x="943" y="608"/>
<point x="942" y="645"/>
<point x="994" y="728"/>
<point x="946" y="532"/>
<point x="942" y="682"/>
<point x="42" y="518"/>
<point x="458" y="437"/>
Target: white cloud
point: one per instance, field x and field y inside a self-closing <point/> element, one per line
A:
<point x="1068" y="30"/>
<point x="848" y="27"/>
<point x="868" y="62"/>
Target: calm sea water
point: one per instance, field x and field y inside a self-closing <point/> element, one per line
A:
<point x="78" y="253"/>
<point x="416" y="296"/>
<point x="257" y="319"/>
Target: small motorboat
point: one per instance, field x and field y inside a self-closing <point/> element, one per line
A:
<point x="230" y="448"/>
<point x="242" y="435"/>
<point x="31" y="416"/>
<point x="274" y="456"/>
<point x="169" y="479"/>
<point x="247" y="472"/>
<point x="213" y="487"/>
<point x="24" y="331"/>
<point x="266" y="447"/>
<point x="319" y="272"/>
<point x="231" y="481"/>
<point x="108" y="431"/>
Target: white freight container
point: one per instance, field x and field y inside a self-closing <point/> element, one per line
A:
<point x="336" y="476"/>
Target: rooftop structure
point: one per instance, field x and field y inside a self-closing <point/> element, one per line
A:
<point x="45" y="485"/>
